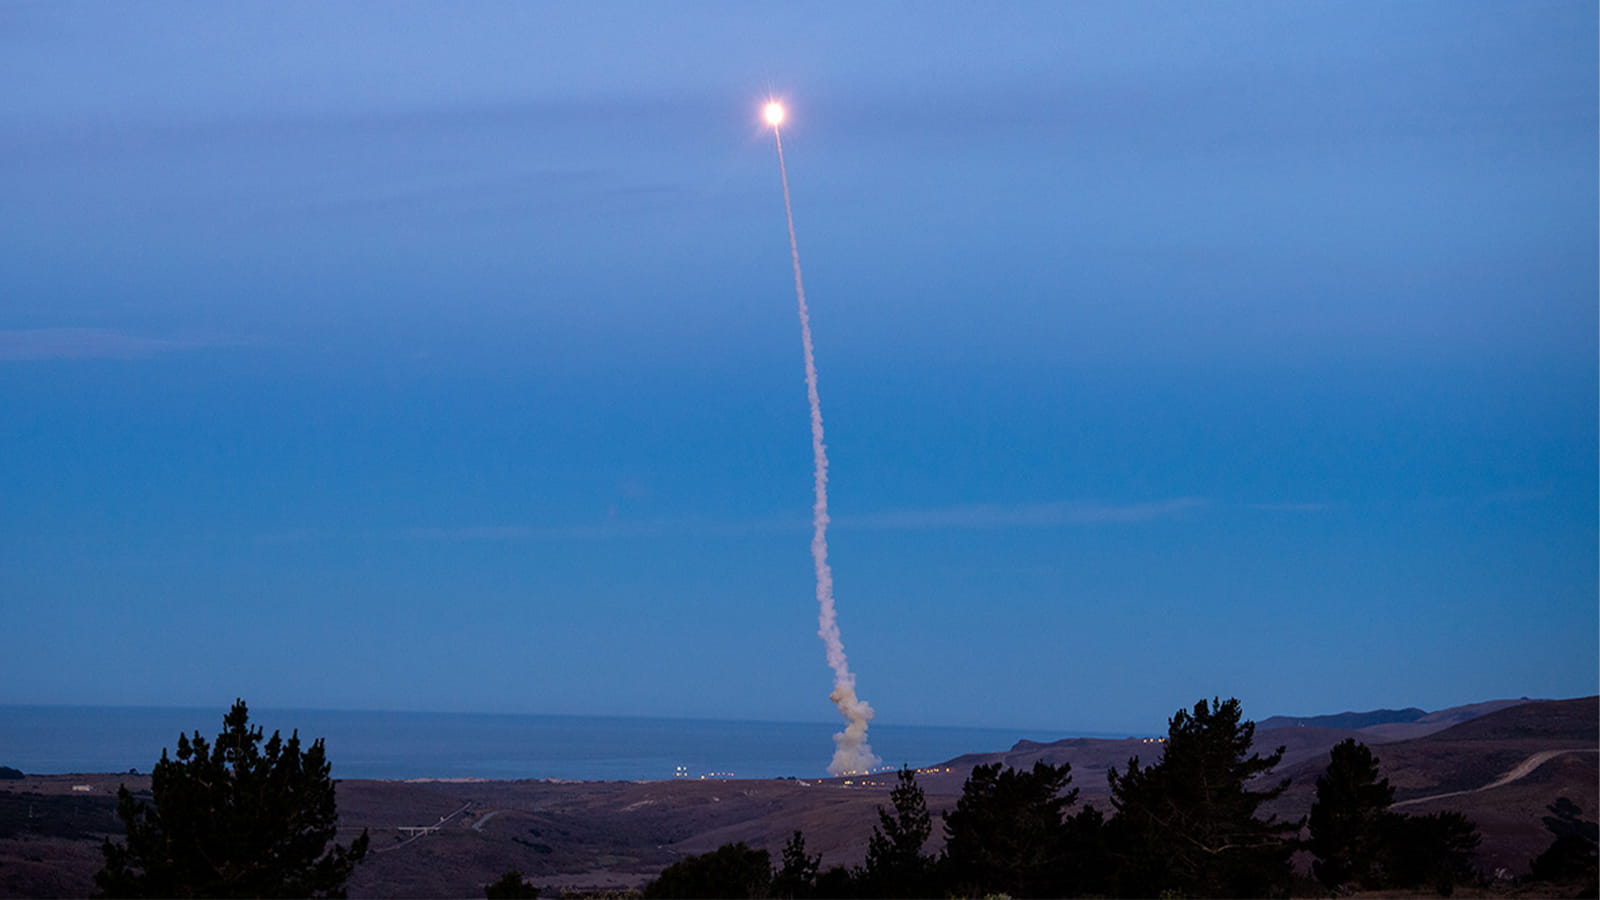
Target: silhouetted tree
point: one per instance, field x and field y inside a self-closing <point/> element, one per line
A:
<point x="1007" y="834"/>
<point x="796" y="877"/>
<point x="895" y="865"/>
<point x="836" y="883"/>
<point x="1572" y="855"/>
<point x="1088" y="868"/>
<point x="1347" y="819"/>
<point x="1359" y="843"/>
<point x="233" y="819"/>
<point x="1434" y="850"/>
<point x="732" y="870"/>
<point x="510" y="887"/>
<point x="1188" y="823"/>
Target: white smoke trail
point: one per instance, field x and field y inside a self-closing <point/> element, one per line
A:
<point x="851" y="752"/>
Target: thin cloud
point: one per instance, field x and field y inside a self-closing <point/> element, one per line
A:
<point x="974" y="517"/>
<point x="1291" y="507"/>
<point x="1516" y="496"/>
<point x="1033" y="515"/>
<point x="83" y="343"/>
<point x="473" y="533"/>
<point x="605" y="531"/>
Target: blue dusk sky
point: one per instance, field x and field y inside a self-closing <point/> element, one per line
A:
<point x="444" y="357"/>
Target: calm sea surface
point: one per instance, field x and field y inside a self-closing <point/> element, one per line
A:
<point x="61" y="739"/>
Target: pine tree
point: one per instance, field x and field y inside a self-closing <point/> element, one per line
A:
<point x="233" y="819"/>
<point x="895" y="865"/>
<point x="1088" y="869"/>
<point x="796" y="876"/>
<point x="1188" y="823"/>
<point x="1007" y="833"/>
<point x="1347" y="819"/>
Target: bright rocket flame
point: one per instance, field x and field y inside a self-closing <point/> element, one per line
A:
<point x="774" y="113"/>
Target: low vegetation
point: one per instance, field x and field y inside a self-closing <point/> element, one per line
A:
<point x="732" y="870"/>
<point x="511" y="886"/>
<point x="1574" y="854"/>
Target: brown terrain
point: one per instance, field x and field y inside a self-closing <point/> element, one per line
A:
<point x="1502" y="764"/>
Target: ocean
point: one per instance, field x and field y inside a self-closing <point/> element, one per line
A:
<point x="397" y="745"/>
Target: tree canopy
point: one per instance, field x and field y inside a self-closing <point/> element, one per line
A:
<point x="796" y="877"/>
<point x="1359" y="843"/>
<point x="1347" y="818"/>
<point x="1433" y="850"/>
<point x="896" y="866"/>
<point x="1189" y="823"/>
<point x="234" y="818"/>
<point x="1008" y="833"/>
<point x="732" y="870"/>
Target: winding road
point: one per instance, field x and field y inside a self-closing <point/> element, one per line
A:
<point x="1519" y="771"/>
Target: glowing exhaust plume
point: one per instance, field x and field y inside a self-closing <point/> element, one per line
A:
<point x="851" y="753"/>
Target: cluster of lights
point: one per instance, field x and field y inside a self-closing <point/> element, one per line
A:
<point x="935" y="770"/>
<point x="853" y="782"/>
<point x="683" y="772"/>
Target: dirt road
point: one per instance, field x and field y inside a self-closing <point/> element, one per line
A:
<point x="1519" y="771"/>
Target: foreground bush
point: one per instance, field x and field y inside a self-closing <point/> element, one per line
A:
<point x="732" y="870"/>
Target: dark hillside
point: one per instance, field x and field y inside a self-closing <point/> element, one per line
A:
<point x="1558" y="720"/>
<point x="1300" y="743"/>
<point x="1439" y="720"/>
<point x="1345" y="720"/>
